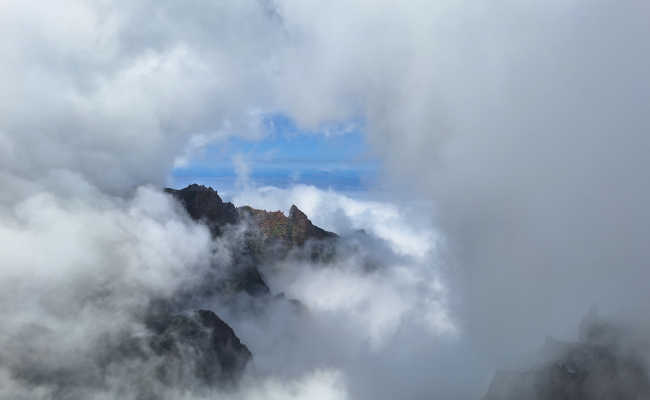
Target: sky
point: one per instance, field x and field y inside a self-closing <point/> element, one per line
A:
<point x="335" y="156"/>
<point x="509" y="140"/>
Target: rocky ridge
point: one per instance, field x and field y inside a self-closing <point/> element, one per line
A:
<point x="204" y="204"/>
<point x="199" y="344"/>
<point x="294" y="230"/>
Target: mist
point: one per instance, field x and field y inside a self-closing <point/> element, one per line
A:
<point x="514" y="151"/>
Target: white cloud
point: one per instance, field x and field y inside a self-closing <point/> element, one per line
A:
<point x="525" y="123"/>
<point x="242" y="171"/>
<point x="77" y="272"/>
<point x="405" y="288"/>
<point x="318" y="385"/>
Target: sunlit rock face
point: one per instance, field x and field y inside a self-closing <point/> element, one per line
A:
<point x="274" y="235"/>
<point x="268" y="236"/>
<point x="605" y="364"/>
<point x="294" y="230"/>
<point x="204" y="204"/>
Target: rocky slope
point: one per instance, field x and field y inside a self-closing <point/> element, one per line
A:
<point x="197" y="346"/>
<point x="270" y="235"/>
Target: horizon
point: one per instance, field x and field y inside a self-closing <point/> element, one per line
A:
<point x="336" y="157"/>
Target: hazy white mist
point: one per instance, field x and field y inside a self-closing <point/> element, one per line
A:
<point x="513" y="135"/>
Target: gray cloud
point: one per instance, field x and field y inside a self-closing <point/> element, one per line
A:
<point x="115" y="91"/>
<point x="524" y="123"/>
<point x="78" y="274"/>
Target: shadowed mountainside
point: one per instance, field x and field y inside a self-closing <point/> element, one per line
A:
<point x="198" y="344"/>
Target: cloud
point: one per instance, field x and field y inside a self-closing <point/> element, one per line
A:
<point x="117" y="91"/>
<point x="523" y="123"/>
<point x="82" y="268"/>
<point x="78" y="274"/>
<point x="319" y="385"/>
<point x="395" y="223"/>
<point x="381" y="306"/>
<point x="242" y="170"/>
<point x="530" y="148"/>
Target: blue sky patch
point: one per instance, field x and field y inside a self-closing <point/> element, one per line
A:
<point x="335" y="157"/>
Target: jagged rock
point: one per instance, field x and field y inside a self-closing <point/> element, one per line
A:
<point x="197" y="347"/>
<point x="204" y="204"/>
<point x="272" y="236"/>
<point x="293" y="230"/>
<point x="278" y="235"/>
<point x="302" y="229"/>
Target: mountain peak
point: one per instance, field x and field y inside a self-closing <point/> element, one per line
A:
<point x="198" y="188"/>
<point x="296" y="214"/>
<point x="203" y="203"/>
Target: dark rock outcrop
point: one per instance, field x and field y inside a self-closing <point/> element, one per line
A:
<point x="204" y="204"/>
<point x="598" y="368"/>
<point x="197" y="347"/>
<point x="271" y="235"/>
<point x="200" y="346"/>
<point x="176" y="353"/>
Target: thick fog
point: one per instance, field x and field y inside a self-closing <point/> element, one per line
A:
<point x="514" y="139"/>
